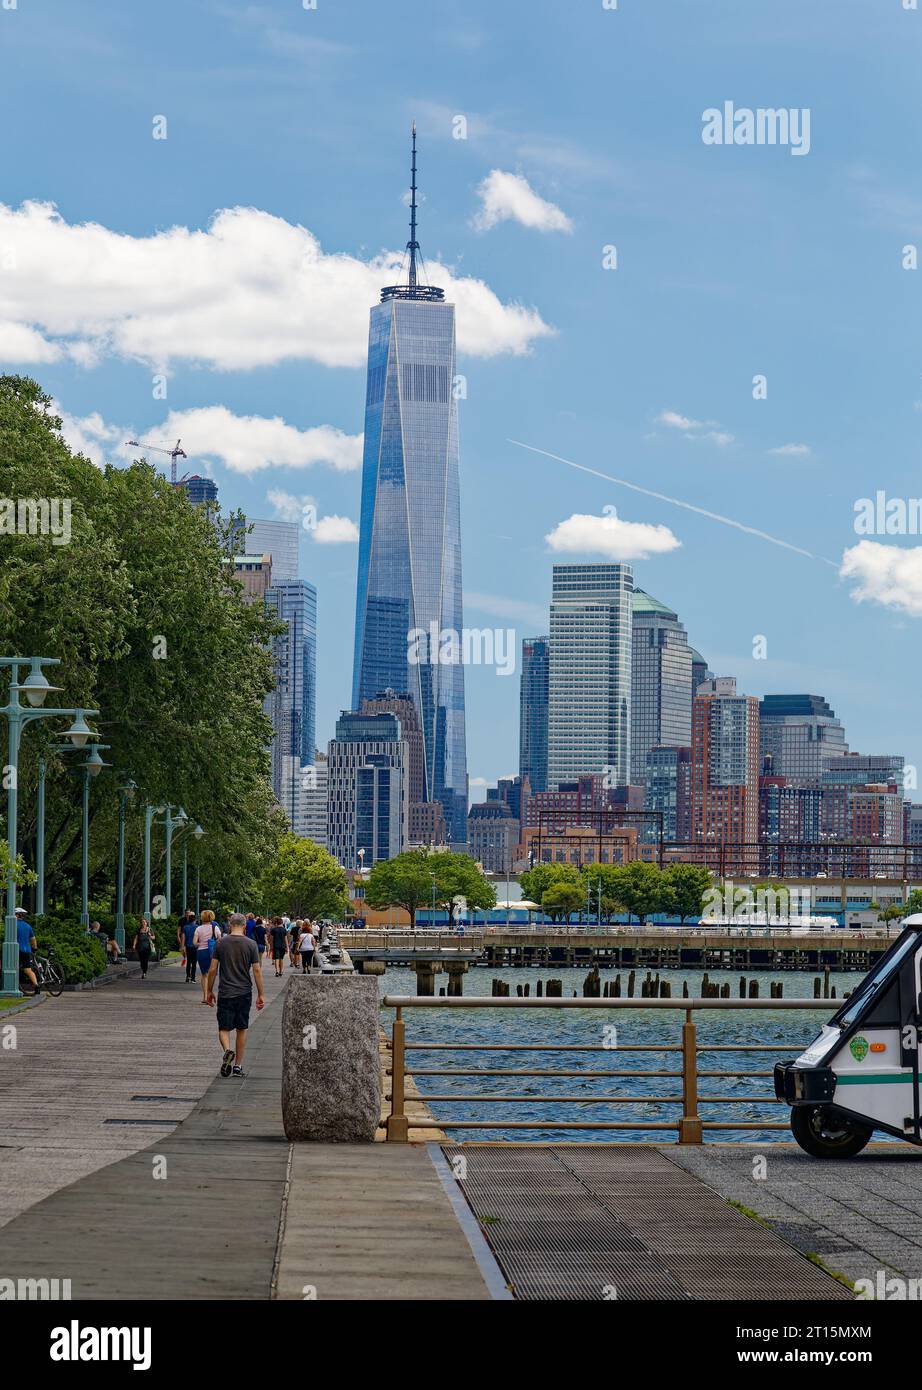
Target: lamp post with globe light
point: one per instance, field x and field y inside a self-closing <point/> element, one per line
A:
<point x="36" y="688"/>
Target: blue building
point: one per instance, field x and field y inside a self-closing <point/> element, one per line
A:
<point x="533" y="693"/>
<point x="292" y="704"/>
<point x="408" y="622"/>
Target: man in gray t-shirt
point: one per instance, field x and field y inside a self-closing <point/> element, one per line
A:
<point x="235" y="956"/>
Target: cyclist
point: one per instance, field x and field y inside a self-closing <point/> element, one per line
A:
<point x="27" y="949"/>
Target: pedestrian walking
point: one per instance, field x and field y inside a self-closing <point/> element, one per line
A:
<point x="260" y="935"/>
<point x="278" y="938"/>
<point x="144" y="943"/>
<point x="27" y="948"/>
<point x="205" y="939"/>
<point x="294" y="933"/>
<point x="185" y="940"/>
<point x="236" y="957"/>
<point x="307" y="945"/>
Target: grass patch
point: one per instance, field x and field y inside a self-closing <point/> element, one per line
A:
<point x="810" y="1255"/>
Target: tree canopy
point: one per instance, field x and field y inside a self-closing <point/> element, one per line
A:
<point x="408" y="881"/>
<point x="151" y="629"/>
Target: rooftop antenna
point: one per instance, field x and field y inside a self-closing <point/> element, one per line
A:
<point x="413" y="289"/>
<point x="413" y="244"/>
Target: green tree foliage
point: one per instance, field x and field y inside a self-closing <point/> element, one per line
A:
<point x="562" y="898"/>
<point x="407" y="881"/>
<point x="685" y="886"/>
<point x="302" y="880"/>
<point x="536" y="881"/>
<point x="151" y="629"/>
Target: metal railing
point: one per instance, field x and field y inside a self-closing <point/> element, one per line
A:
<point x="690" y="1126"/>
<point x="417" y="942"/>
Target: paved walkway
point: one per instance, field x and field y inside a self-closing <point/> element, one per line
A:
<point x="99" y="1074"/>
<point x="858" y="1215"/>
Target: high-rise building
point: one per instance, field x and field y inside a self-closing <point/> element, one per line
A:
<point x="280" y="540"/>
<point x="409" y="564"/>
<point x="589" y="682"/>
<point x="661" y="682"/>
<point x="863" y="769"/>
<point x="303" y="796"/>
<point x="798" y="735"/>
<point x="291" y="705"/>
<point x="255" y="574"/>
<point x="367" y="816"/>
<point x="389" y="702"/>
<point x="700" y="671"/>
<point x="725" y="773"/>
<point x="668" y="793"/>
<point x="199" y="490"/>
<point x="533" y="696"/>
<point x="492" y="836"/>
<point x="514" y="792"/>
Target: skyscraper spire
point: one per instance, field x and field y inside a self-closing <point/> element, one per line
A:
<point x="413" y="244"/>
<point x="413" y="289"/>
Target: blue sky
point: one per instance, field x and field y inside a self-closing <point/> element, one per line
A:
<point x="733" y="261"/>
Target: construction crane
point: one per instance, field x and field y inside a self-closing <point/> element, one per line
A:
<point x="174" y="453"/>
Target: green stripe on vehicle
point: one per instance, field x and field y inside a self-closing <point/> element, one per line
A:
<point x="870" y="1078"/>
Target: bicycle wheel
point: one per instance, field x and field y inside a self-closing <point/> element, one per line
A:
<point x="54" y="980"/>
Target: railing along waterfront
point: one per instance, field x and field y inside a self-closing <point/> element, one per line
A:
<point x="690" y="1126"/>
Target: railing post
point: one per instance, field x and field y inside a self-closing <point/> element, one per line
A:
<point x="690" y="1124"/>
<point x="397" y="1126"/>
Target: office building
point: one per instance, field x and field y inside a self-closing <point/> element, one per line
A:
<point x="798" y="736"/>
<point x="409" y="563"/>
<point x="199" y="490"/>
<point x="367" y="816"/>
<point x="667" y="794"/>
<point x="493" y="836"/>
<point x="255" y="575"/>
<point x="661" y="682"/>
<point x="291" y="704"/>
<point x="280" y="540"/>
<point x="725" y="774"/>
<point x="589" y="682"/>
<point x="533" y="699"/>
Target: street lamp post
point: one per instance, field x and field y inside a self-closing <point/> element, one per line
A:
<point x="198" y="832"/>
<point x="36" y="688"/>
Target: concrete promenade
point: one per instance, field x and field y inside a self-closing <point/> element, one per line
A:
<point x="207" y="1200"/>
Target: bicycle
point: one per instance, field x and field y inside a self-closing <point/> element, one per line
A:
<point x="49" y="974"/>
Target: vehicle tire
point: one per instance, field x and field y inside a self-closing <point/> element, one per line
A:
<point x="823" y="1135"/>
<point x="54" y="981"/>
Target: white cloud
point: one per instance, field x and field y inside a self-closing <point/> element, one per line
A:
<point x="243" y="443"/>
<point x="610" y="536"/>
<point x="250" y="290"/>
<point x="510" y="197"/>
<point x="887" y="574"/>
<point x="792" y="450"/>
<point x="286" y="506"/>
<point x="694" y="429"/>
<point x="333" y="530"/>
<point x="676" y="421"/>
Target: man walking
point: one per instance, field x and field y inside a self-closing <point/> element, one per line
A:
<point x="235" y="955"/>
<point x="185" y="940"/>
<point x="27" y="948"/>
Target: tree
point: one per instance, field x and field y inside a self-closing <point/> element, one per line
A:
<point x="151" y="629"/>
<point x="302" y="880"/>
<point x="685" y="886"/>
<point x="407" y="881"/>
<point x="535" y="881"/>
<point x="640" y="889"/>
<point x="404" y="881"/>
<point x="561" y="899"/>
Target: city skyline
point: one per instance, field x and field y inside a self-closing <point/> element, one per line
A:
<point x="642" y="373"/>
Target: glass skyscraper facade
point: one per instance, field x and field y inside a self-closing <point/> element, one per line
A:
<point x="589" y="684"/>
<point x="292" y="704"/>
<point x="533" y="711"/>
<point x="798" y="735"/>
<point x="661" y="682"/>
<point x="409" y="564"/>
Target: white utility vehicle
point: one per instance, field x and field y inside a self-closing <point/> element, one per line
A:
<point x="862" y="1072"/>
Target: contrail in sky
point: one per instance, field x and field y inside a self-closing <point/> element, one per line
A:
<point x="677" y="502"/>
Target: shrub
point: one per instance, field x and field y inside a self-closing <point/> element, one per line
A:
<point x="79" y="956"/>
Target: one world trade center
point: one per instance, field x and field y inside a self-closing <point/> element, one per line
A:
<point x="408" y="621"/>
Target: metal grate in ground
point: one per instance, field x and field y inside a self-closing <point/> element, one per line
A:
<point x="569" y="1222"/>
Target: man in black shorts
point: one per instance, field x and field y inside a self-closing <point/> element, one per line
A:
<point x="235" y="955"/>
<point x="278" y="935"/>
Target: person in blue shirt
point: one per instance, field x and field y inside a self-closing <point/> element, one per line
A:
<point x="27" y="948"/>
<point x="185" y="940"/>
<point x="250" y="925"/>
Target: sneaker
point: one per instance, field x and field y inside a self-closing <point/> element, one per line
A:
<point x="238" y="1071"/>
<point x="227" y="1063"/>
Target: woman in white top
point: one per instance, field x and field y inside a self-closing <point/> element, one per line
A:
<point x="307" y="944"/>
<point x="207" y="934"/>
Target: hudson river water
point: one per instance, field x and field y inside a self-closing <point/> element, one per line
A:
<point x="787" y="1032"/>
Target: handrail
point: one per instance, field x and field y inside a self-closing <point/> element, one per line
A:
<point x="690" y="1125"/>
